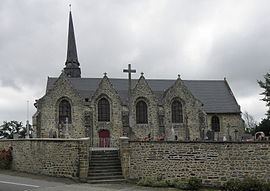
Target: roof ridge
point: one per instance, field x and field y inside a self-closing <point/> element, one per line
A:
<point x="147" y="79"/>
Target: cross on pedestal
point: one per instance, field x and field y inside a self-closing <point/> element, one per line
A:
<point x="129" y="71"/>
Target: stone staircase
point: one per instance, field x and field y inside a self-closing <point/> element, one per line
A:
<point x="105" y="167"/>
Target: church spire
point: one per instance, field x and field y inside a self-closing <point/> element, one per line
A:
<point x="72" y="68"/>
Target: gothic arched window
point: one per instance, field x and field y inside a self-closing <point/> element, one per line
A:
<point x="103" y="110"/>
<point x="177" y="112"/>
<point x="141" y="112"/>
<point x="64" y="112"/>
<point x="215" y="124"/>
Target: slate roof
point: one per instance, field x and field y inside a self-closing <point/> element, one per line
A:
<point x="214" y="94"/>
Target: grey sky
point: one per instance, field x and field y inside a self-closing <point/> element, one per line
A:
<point x="197" y="39"/>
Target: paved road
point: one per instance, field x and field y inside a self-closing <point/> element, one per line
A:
<point x="14" y="181"/>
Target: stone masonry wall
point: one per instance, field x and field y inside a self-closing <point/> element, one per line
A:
<point x="48" y="107"/>
<point x="143" y="92"/>
<point x="228" y="124"/>
<point x="53" y="157"/>
<point x="114" y="126"/>
<point x="190" y="128"/>
<point x="215" y="162"/>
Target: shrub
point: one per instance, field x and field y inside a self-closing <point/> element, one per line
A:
<point x="5" y="158"/>
<point x="266" y="186"/>
<point x="247" y="184"/>
<point x="194" y="183"/>
<point x="181" y="184"/>
<point x="186" y="184"/>
<point x="146" y="182"/>
<point x="152" y="182"/>
<point x="160" y="183"/>
<point x="232" y="185"/>
<point x="171" y="183"/>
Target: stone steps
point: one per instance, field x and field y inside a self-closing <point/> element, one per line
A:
<point x="92" y="170"/>
<point x="105" y="167"/>
<point x="105" y="181"/>
<point x="111" y="167"/>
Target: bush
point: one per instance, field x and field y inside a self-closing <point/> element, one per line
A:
<point x="160" y="183"/>
<point x="171" y="183"/>
<point x="146" y="182"/>
<point x="247" y="184"/>
<point x="181" y="184"/>
<point x="152" y="182"/>
<point x="266" y="186"/>
<point x="5" y="158"/>
<point x="186" y="184"/>
<point x="232" y="185"/>
<point x="194" y="183"/>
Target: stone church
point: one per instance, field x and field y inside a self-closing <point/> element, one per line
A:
<point x="105" y="109"/>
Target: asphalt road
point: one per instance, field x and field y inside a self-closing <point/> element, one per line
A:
<point x="14" y="181"/>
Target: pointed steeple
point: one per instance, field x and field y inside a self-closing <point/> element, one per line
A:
<point x="72" y="68"/>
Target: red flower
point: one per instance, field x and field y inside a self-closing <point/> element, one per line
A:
<point x="160" y="138"/>
<point x="145" y="138"/>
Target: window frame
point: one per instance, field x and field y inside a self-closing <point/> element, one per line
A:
<point x="64" y="111"/>
<point x="215" y="123"/>
<point x="177" y="114"/>
<point x="141" y="112"/>
<point x="103" y="110"/>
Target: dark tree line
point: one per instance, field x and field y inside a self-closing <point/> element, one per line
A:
<point x="9" y="129"/>
<point x="264" y="125"/>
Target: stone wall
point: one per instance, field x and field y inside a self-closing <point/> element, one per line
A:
<point x="53" y="157"/>
<point x="142" y="92"/>
<point x="191" y="127"/>
<point x="114" y="126"/>
<point x="215" y="162"/>
<point x="231" y="126"/>
<point x="46" y="120"/>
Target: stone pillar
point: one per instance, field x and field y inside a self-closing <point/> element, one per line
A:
<point x="83" y="151"/>
<point x="125" y="156"/>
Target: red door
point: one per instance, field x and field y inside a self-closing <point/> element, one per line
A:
<point x="104" y="138"/>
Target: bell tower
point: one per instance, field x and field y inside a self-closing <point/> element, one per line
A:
<point x="72" y="68"/>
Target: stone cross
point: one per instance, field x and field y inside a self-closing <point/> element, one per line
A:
<point x="129" y="71"/>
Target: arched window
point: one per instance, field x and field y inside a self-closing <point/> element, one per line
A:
<point x="64" y="112"/>
<point x="215" y="124"/>
<point x="103" y="110"/>
<point x="141" y="112"/>
<point x="177" y="112"/>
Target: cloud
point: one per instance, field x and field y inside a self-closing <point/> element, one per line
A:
<point x="197" y="39"/>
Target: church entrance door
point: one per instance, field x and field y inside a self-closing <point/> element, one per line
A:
<point x="104" y="138"/>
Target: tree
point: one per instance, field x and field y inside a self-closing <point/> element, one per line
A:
<point x="266" y="86"/>
<point x="9" y="129"/>
<point x="264" y="126"/>
<point x="250" y="123"/>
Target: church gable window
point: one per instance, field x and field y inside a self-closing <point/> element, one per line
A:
<point x="64" y="112"/>
<point x="141" y="112"/>
<point x="215" y="124"/>
<point x="177" y="112"/>
<point x="103" y="110"/>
